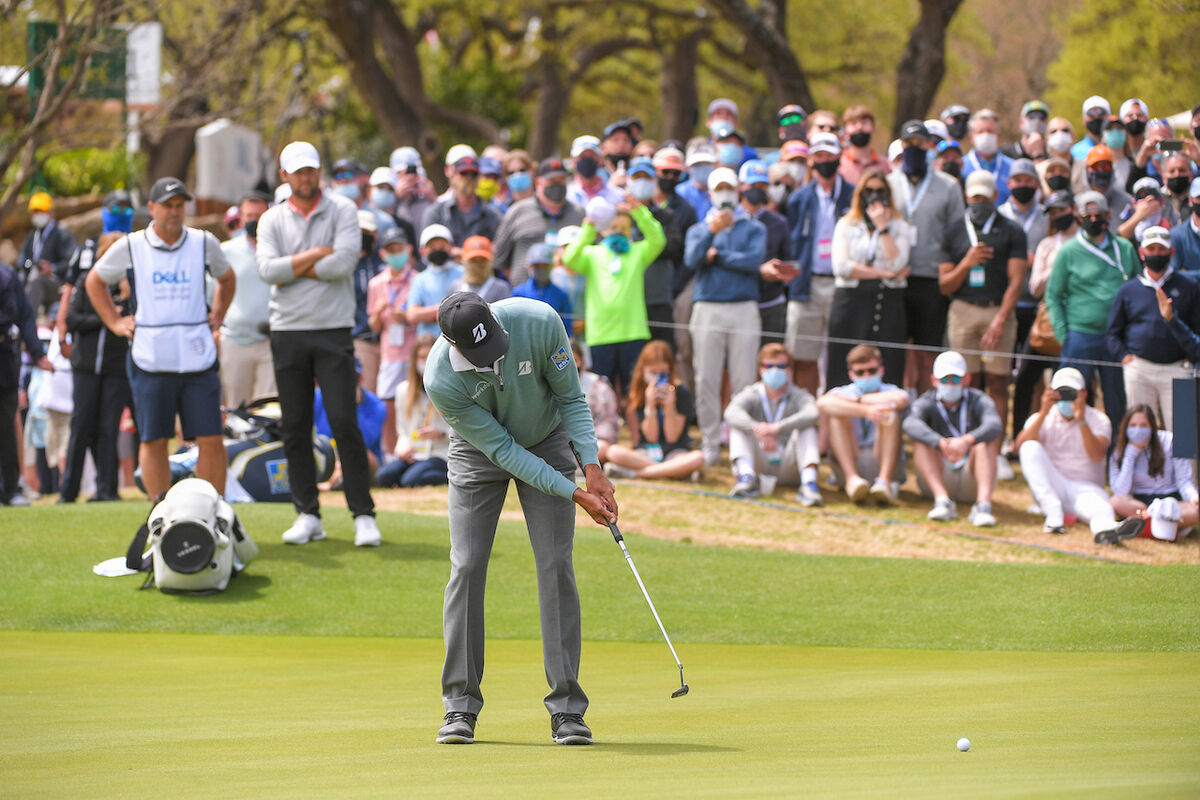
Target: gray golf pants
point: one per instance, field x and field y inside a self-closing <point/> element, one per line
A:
<point x="477" y="491"/>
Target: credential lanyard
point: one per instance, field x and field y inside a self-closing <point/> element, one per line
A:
<point x="1120" y="267"/>
<point x="987" y="228"/>
<point x="772" y="417"/>
<point x="912" y="201"/>
<point x="961" y="428"/>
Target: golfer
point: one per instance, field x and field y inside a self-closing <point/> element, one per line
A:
<point x="503" y="379"/>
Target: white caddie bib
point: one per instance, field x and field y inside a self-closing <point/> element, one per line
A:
<point x="172" y="333"/>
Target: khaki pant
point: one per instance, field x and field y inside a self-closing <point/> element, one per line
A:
<point x="724" y="337"/>
<point x="368" y="356"/>
<point x="965" y="327"/>
<point x="1148" y="383"/>
<point x="247" y="372"/>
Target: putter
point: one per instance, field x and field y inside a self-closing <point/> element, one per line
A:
<point x="620" y="540"/>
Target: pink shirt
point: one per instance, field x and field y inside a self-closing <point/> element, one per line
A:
<point x="392" y="287"/>
<point x="1063" y="441"/>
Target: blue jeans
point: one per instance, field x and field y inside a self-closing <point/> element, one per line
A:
<point x="407" y="474"/>
<point x="1093" y="347"/>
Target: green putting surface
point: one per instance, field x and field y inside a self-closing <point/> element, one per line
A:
<point x="121" y="715"/>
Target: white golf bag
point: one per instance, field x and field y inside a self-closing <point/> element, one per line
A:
<point x="196" y="541"/>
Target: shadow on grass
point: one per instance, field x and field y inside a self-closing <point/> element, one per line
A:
<point x="329" y="553"/>
<point x="629" y="748"/>
<point x="242" y="587"/>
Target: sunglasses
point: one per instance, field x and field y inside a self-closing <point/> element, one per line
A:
<point x="775" y="365"/>
<point x="515" y="172"/>
<point x="826" y="127"/>
<point x="865" y="372"/>
<point x="468" y="175"/>
<point x="670" y="173"/>
<point x="1142" y="195"/>
<point x="1095" y="217"/>
<point x="953" y="379"/>
<point x="791" y="119"/>
<point x="344" y="176"/>
<point x="1060" y="130"/>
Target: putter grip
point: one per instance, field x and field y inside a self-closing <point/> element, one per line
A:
<point x="612" y="526"/>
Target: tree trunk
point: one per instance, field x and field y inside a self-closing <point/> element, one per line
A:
<point x="767" y="48"/>
<point x="923" y="66"/>
<point x="680" y="98"/>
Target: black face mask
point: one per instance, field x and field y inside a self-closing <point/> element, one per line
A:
<point x="1094" y="227"/>
<point x="981" y="211"/>
<point x="826" y="169"/>
<point x="617" y="159"/>
<point x="1157" y="263"/>
<point x="438" y="257"/>
<point x="1179" y="185"/>
<point x="368" y="240"/>
<point x="587" y="167"/>
<point x="953" y="169"/>
<point x="1058" y="183"/>
<point x="1095" y="127"/>
<point x="873" y="196"/>
<point x="1061" y="223"/>
<point x="1135" y="127"/>
<point x="667" y="185"/>
<point x="555" y="192"/>
<point x="791" y="132"/>
<point x="860" y="139"/>
<point x="1196" y="210"/>
<point x="915" y="162"/>
<point x="251" y="228"/>
<point x="957" y="129"/>
<point x="755" y="196"/>
<point x="1023" y="194"/>
<point x="1099" y="179"/>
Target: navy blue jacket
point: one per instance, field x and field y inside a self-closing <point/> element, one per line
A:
<point x="802" y="210"/>
<point x="1136" y="326"/>
<point x="15" y="309"/>
<point x="1186" y="258"/>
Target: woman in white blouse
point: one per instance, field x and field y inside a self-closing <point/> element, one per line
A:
<point x="1142" y="469"/>
<point x="870" y="268"/>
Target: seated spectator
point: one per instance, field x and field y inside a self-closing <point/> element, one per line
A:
<point x="864" y="429"/>
<point x="1141" y="471"/>
<point x="663" y="406"/>
<point x="421" y="433"/>
<point x="602" y="402"/>
<point x="371" y="414"/>
<point x="1062" y="452"/>
<point x="1151" y="357"/>
<point x="478" y="275"/>
<point x="773" y="430"/>
<point x="539" y="262"/>
<point x="951" y="426"/>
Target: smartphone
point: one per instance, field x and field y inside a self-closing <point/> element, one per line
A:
<point x="411" y="169"/>
<point x="1170" y="145"/>
<point x="663" y="379"/>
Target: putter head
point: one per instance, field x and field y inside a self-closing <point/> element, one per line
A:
<point x="680" y="692"/>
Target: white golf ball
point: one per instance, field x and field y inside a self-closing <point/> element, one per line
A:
<point x="964" y="744"/>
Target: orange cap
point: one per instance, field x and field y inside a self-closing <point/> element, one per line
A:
<point x="1099" y="153"/>
<point x="476" y="247"/>
<point x="793" y="149"/>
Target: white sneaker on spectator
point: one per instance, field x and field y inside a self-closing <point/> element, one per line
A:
<point x="307" y="528"/>
<point x="981" y="516"/>
<point x="1004" y="470"/>
<point x="18" y="499"/>
<point x="712" y="455"/>
<point x="614" y="470"/>
<point x="366" y="531"/>
<point x="943" y="510"/>
<point x="1034" y="509"/>
<point x="882" y="493"/>
<point x="857" y="489"/>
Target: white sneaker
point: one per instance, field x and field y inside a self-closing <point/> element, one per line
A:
<point x="857" y="489"/>
<point x="307" y="528"/>
<point x="1004" y="470"/>
<point x="18" y="499"/>
<point x="981" y="516"/>
<point x="366" y="532"/>
<point x="882" y="493"/>
<point x="943" y="510"/>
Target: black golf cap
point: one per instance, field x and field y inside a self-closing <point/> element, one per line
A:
<point x="166" y="188"/>
<point x="469" y="324"/>
<point x="914" y="129"/>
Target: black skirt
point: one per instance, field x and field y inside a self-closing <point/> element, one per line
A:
<point x="870" y="312"/>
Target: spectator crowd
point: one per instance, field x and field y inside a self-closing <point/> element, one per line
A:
<point x="1030" y="301"/>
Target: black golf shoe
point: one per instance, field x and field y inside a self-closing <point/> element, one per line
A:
<point x="569" y="729"/>
<point x="1130" y="528"/>
<point x="459" y="729"/>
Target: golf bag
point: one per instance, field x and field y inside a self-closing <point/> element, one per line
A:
<point x="196" y="541"/>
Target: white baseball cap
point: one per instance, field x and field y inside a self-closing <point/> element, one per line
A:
<point x="937" y="128"/>
<point x="383" y="176"/>
<point x="950" y="362"/>
<point x="722" y="175"/>
<point x="1132" y="103"/>
<point x="367" y="220"/>
<point x="457" y="153"/>
<point x="584" y="143"/>
<point x="282" y="193"/>
<point x="404" y="157"/>
<point x="1068" y="378"/>
<point x="567" y="234"/>
<point x="298" y="155"/>
<point x="601" y="212"/>
<point x="824" y="142"/>
<point x="436" y="232"/>
<point x="895" y="149"/>
<point x="1096" y="101"/>
<point x="1156" y="234"/>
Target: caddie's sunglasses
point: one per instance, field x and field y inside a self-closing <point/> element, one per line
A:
<point x="952" y="379"/>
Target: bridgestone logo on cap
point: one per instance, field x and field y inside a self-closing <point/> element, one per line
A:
<point x="480" y="333"/>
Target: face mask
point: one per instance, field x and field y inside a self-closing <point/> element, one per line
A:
<point x="957" y="130"/>
<point x="774" y="378"/>
<point x="870" y="384"/>
<point x="396" y="261"/>
<point x="519" y="182"/>
<point x="1136" y="127"/>
<point x="251" y="228"/>
<point x="617" y="160"/>
<point x="700" y="173"/>
<point x="1060" y="142"/>
<point x="1058" y="183"/>
<point x="1196" y="132"/>
<point x="1066" y="408"/>
<point x="798" y="171"/>
<point x="541" y="276"/>
<point x="1061" y="223"/>
<point x="915" y="162"/>
<point x="487" y="188"/>
<point x="420" y="367"/>
<point x="873" y="196"/>
<point x="777" y="193"/>
<point x="349" y="190"/>
<point x="1033" y="125"/>
<point x="40" y="219"/>
<point x="952" y="168"/>
<point x="986" y="143"/>
<point x="555" y="192"/>
<point x="120" y="220"/>
<point x="755" y="196"/>
<point x="1157" y="263"/>
<point x="1095" y="126"/>
<point x="730" y="154"/>
<point x="617" y="242"/>
<point x="1099" y="179"/>
<point x="587" y="167"/>
<point x="980" y="211"/>
<point x="724" y="199"/>
<point x="860" y="139"/>
<point x="1137" y="434"/>
<point x="1196" y="210"/>
<point x="949" y="392"/>
<point x="826" y="169"/>
<point x="1178" y="185"/>
<point x="642" y="188"/>
<point x="1095" y="227"/>
<point x="667" y="185"/>
<point x="438" y="258"/>
<point x="1023" y="194"/>
<point x="1115" y="139"/>
<point x="383" y="198"/>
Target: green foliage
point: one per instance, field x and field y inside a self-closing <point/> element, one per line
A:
<point x="90" y="170"/>
<point x="474" y="83"/>
<point x="1116" y="51"/>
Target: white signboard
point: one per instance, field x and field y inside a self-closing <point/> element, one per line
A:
<point x="229" y="160"/>
<point x="143" y="64"/>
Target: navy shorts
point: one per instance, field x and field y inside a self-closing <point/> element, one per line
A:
<point x="159" y="396"/>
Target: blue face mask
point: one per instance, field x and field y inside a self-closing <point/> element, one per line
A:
<point x="870" y="384"/>
<point x="383" y="198"/>
<point x="1066" y="408"/>
<point x="120" y="220"/>
<point x="774" y="378"/>
<point x="1115" y="139"/>
<point x="396" y="261"/>
<point x="700" y="173"/>
<point x="519" y="182"/>
<point x="1137" y="434"/>
<point x="349" y="190"/>
<point x="730" y="154"/>
<point x="617" y="242"/>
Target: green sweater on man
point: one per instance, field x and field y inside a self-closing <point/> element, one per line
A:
<point x="537" y="388"/>
<point x="1082" y="285"/>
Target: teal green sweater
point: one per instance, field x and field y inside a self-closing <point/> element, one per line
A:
<point x="502" y="415"/>
<point x="1080" y="292"/>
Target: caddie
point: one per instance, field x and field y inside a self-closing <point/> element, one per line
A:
<point x="504" y="380"/>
